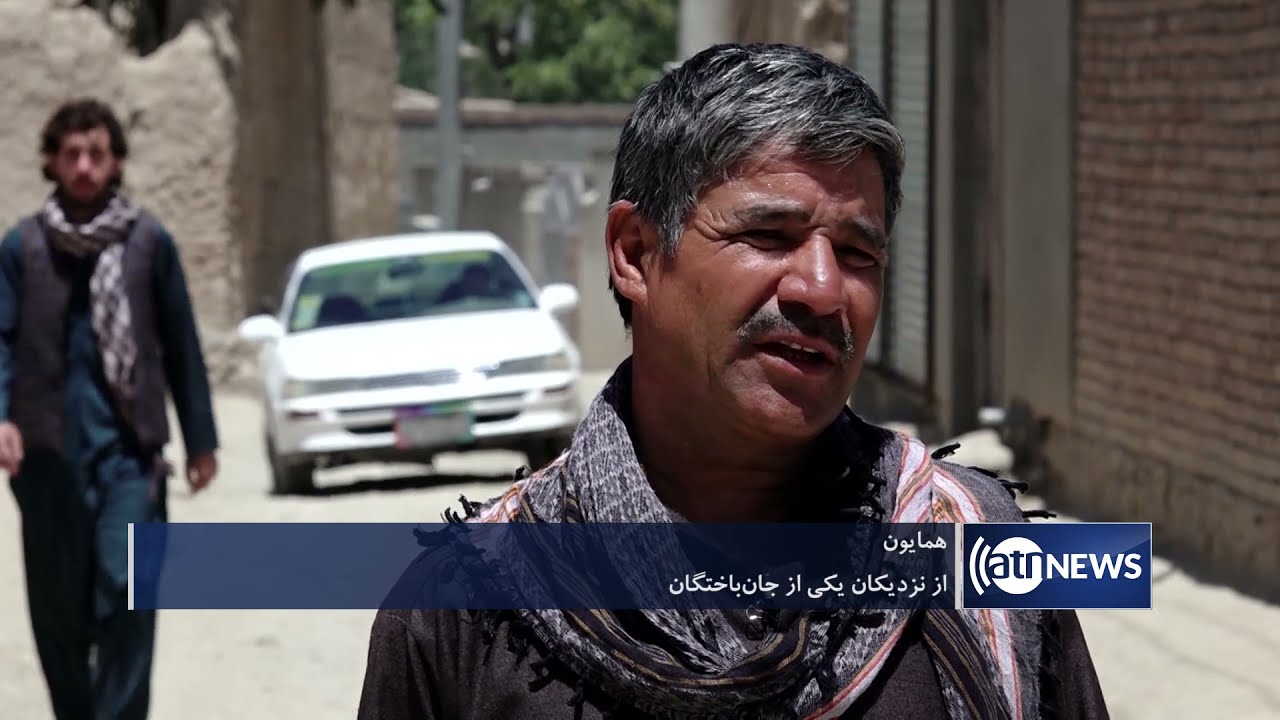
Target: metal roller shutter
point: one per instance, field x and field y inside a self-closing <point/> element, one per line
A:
<point x="868" y="61"/>
<point x="908" y="307"/>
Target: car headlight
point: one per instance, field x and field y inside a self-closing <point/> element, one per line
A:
<point x="542" y="363"/>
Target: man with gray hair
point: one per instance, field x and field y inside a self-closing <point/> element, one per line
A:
<point x="755" y="189"/>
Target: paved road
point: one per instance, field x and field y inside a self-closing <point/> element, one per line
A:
<point x="1205" y="652"/>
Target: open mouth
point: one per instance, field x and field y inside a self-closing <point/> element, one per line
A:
<point x="801" y="357"/>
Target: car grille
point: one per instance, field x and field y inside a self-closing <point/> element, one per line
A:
<point x="389" y="382"/>
<point x="372" y="429"/>
<point x="361" y="416"/>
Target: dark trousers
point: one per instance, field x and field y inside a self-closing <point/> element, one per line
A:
<point x="95" y="652"/>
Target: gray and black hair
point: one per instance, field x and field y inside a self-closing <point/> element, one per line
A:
<point x="695" y="125"/>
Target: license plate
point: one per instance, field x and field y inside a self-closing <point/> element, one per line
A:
<point x="432" y="426"/>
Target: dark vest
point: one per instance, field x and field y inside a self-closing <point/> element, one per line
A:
<point x="40" y="349"/>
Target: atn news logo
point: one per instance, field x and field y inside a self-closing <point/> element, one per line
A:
<point x="1056" y="565"/>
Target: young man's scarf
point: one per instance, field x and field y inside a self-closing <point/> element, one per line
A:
<point x="814" y="666"/>
<point x="104" y="237"/>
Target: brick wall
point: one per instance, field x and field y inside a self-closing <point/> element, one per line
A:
<point x="1177" y="298"/>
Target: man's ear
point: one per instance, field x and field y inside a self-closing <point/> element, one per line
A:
<point x="628" y="240"/>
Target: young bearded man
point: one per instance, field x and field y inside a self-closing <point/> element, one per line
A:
<point x="754" y="192"/>
<point x="95" y="324"/>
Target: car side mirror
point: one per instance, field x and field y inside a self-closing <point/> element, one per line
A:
<point x="260" y="328"/>
<point x="558" y="298"/>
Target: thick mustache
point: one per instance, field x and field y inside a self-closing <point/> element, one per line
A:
<point x="769" y="321"/>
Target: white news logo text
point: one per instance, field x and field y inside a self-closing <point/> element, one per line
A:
<point x="1017" y="566"/>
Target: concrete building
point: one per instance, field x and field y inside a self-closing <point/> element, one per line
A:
<point x="316" y="157"/>
<point x="538" y="176"/>
<point x="1090" y="240"/>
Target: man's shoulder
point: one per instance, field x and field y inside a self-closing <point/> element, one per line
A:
<point x="995" y="495"/>
<point x="155" y="229"/>
<point x="434" y="638"/>
<point x="14" y="234"/>
<point x="451" y="653"/>
<point x="22" y="224"/>
<point x="420" y="627"/>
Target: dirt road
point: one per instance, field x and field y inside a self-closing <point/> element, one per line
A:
<point x="254" y="664"/>
<point x="1204" y="652"/>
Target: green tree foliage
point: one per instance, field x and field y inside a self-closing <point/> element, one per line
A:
<point x="545" y="50"/>
<point x="528" y="50"/>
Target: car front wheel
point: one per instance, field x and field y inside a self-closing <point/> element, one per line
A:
<point x="286" y="478"/>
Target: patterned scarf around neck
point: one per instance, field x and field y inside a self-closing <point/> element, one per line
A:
<point x="817" y="664"/>
<point x="104" y="237"/>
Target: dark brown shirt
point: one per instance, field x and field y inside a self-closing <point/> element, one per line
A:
<point x="435" y="665"/>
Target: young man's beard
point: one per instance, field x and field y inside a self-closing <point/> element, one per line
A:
<point x="81" y="210"/>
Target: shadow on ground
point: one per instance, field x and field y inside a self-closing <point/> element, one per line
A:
<point x="1184" y="560"/>
<point x="402" y="483"/>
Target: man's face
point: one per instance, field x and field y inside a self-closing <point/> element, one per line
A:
<point x="84" y="165"/>
<point x="774" y="291"/>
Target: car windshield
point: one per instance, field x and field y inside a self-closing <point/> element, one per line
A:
<point x="397" y="288"/>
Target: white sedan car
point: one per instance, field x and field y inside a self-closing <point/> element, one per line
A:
<point x="402" y="347"/>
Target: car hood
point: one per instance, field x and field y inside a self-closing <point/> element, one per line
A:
<point x="420" y="344"/>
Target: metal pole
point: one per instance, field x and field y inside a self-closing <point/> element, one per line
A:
<point x="851" y="33"/>
<point x="703" y="23"/>
<point x="449" y="115"/>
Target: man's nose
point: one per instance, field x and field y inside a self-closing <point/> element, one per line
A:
<point x="813" y="278"/>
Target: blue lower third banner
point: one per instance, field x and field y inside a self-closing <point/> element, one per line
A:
<point x="1057" y="565"/>
<point x="543" y="566"/>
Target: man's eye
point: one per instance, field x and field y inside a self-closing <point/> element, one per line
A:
<point x="857" y="257"/>
<point x="765" y="238"/>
